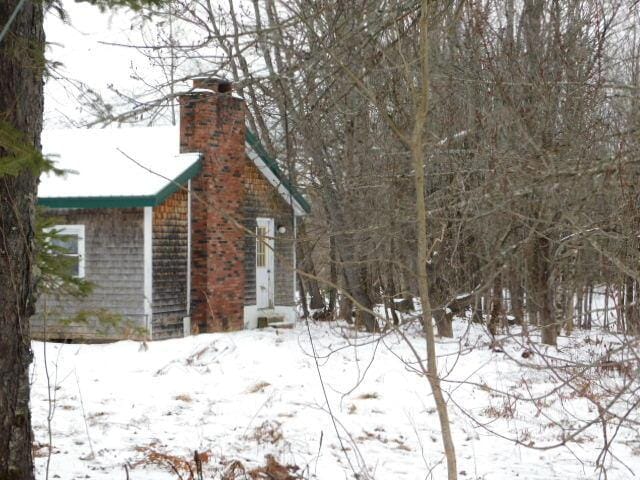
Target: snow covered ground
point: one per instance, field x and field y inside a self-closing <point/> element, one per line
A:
<point x="243" y="395"/>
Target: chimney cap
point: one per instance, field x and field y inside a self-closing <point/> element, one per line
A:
<point x="215" y="84"/>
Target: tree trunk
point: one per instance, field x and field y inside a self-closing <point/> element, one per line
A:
<point x="305" y="263"/>
<point x="606" y="306"/>
<point x="316" y="301"/>
<point x="345" y="310"/>
<point x="303" y="297"/>
<point x="444" y="322"/>
<point x="392" y="293"/>
<point x="333" y="273"/>
<point x="532" y="307"/>
<point x="406" y="304"/>
<point x="579" y="302"/>
<point x="496" y="309"/>
<point x="360" y="292"/>
<point x="418" y="158"/>
<point x="21" y="101"/>
<point x="630" y="312"/>
<point x="517" y="299"/>
<point x="589" y="309"/>
<point x="568" y="312"/>
<point x="544" y="290"/>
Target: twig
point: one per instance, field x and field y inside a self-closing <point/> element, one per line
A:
<point x="326" y="399"/>
<point x="12" y="18"/>
<point x="198" y="462"/>
<point x="84" y="416"/>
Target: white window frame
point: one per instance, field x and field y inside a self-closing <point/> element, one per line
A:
<point x="78" y="231"/>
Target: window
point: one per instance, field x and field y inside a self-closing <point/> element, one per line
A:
<point x="68" y="240"/>
<point x="261" y="246"/>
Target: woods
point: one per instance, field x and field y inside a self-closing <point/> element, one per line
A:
<point x="528" y="144"/>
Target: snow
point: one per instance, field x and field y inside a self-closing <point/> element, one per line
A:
<point x="242" y="395"/>
<point x="99" y="165"/>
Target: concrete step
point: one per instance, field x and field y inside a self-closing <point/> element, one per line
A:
<point x="274" y="320"/>
<point x="283" y="324"/>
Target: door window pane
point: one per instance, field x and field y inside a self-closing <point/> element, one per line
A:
<point x="261" y="247"/>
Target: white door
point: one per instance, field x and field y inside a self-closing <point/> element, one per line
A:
<point x="265" y="272"/>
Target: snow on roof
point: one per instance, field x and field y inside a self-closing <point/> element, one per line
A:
<point x="99" y="165"/>
<point x="133" y="167"/>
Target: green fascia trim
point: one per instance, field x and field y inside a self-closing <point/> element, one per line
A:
<point x="178" y="182"/>
<point x="97" y="202"/>
<point x="125" y="201"/>
<point x="255" y="144"/>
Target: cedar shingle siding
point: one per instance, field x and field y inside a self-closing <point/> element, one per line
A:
<point x="114" y="263"/>
<point x="170" y="252"/>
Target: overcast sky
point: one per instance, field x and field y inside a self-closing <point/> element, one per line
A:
<point x="77" y="46"/>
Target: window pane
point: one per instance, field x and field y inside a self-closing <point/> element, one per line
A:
<point x="74" y="265"/>
<point x="69" y="243"/>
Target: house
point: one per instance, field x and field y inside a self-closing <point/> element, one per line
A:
<point x="181" y="230"/>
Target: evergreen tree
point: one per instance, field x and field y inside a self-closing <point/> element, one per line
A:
<point x="22" y="66"/>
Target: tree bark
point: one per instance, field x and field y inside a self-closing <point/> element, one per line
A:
<point x="21" y="108"/>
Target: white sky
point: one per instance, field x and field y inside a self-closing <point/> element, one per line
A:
<point x="77" y="46"/>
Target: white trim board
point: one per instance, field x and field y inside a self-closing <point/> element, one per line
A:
<point x="189" y="248"/>
<point x="148" y="269"/>
<point x="79" y="231"/>
<point x="295" y="256"/>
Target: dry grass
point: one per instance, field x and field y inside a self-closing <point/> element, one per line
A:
<point x="40" y="450"/>
<point x="184" y="467"/>
<point x="368" y="396"/>
<point x="272" y="470"/>
<point x="269" y="432"/>
<point x="507" y="410"/>
<point x="258" y="387"/>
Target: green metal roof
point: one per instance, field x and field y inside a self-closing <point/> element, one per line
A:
<point x="125" y="201"/>
<point x="254" y="143"/>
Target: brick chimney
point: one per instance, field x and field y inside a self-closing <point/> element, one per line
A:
<point x="212" y="123"/>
